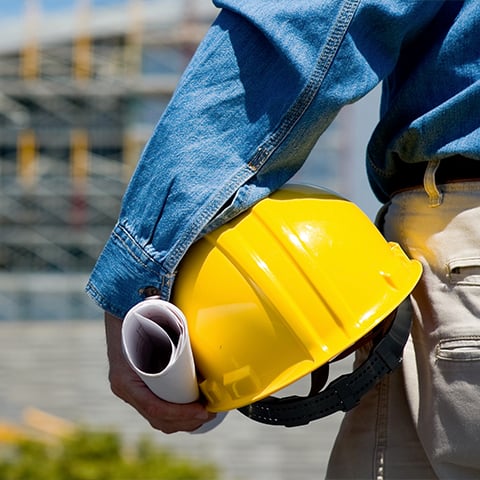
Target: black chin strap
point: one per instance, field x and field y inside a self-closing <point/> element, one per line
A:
<point x="343" y="393"/>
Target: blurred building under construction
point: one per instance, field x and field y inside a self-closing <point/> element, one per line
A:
<point x="82" y="84"/>
<point x="80" y="91"/>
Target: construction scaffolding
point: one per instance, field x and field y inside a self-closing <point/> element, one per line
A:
<point x="80" y="91"/>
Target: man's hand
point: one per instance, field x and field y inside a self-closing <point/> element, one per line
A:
<point x="127" y="385"/>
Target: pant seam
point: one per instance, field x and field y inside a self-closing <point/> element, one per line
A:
<point x="381" y="430"/>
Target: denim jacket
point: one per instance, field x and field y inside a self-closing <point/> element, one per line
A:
<point x="266" y="81"/>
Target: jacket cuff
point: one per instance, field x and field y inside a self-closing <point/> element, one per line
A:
<point x="124" y="274"/>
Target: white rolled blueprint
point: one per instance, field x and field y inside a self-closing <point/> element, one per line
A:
<point x="156" y="344"/>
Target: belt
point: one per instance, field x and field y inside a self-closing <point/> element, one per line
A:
<point x="457" y="168"/>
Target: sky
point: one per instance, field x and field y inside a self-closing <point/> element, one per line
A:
<point x="10" y="8"/>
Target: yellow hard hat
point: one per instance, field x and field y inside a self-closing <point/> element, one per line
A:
<point x="283" y="289"/>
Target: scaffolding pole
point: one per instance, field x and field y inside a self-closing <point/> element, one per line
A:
<point x="134" y="39"/>
<point x="30" y="54"/>
<point x="79" y="156"/>
<point x="79" y="166"/>
<point x="27" y="158"/>
<point x="82" y="62"/>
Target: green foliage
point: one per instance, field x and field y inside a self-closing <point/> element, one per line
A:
<point x="93" y="455"/>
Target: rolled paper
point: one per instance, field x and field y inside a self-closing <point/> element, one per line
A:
<point x="156" y="343"/>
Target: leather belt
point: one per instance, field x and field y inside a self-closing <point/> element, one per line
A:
<point x="457" y="168"/>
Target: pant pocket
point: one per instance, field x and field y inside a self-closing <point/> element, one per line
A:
<point x="464" y="271"/>
<point x="455" y="405"/>
<point x="459" y="349"/>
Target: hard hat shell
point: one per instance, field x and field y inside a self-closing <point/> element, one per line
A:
<point x="283" y="289"/>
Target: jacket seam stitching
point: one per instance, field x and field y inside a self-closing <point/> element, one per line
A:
<point x="311" y="89"/>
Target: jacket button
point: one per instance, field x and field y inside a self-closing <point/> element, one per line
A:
<point x="149" y="291"/>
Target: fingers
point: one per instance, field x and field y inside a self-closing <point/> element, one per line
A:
<point x="125" y="383"/>
<point x="161" y="415"/>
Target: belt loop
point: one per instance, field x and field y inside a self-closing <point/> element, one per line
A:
<point x="435" y="196"/>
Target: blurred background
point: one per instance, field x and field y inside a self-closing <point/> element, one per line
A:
<point x="82" y="84"/>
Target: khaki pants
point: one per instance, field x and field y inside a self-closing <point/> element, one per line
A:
<point x="423" y="421"/>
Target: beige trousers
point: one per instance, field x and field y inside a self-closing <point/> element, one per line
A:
<point x="423" y="420"/>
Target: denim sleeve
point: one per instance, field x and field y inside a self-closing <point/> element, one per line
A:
<point x="266" y="81"/>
